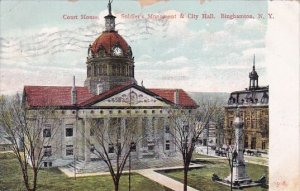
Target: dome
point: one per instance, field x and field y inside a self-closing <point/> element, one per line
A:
<point x="108" y="40"/>
<point x="253" y="73"/>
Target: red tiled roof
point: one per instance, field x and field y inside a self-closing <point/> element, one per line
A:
<point x="61" y="95"/>
<point x="54" y="95"/>
<point x="168" y="94"/>
<point x="108" y="40"/>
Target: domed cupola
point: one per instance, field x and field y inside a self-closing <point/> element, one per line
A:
<point x="253" y="84"/>
<point x="110" y="62"/>
<point x="110" y="44"/>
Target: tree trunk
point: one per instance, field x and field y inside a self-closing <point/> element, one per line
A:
<point x="25" y="179"/>
<point x="231" y="171"/>
<point x="116" y="184"/>
<point x="35" y="173"/>
<point x="185" y="180"/>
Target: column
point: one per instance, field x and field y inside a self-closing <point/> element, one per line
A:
<point x="123" y="128"/>
<point x="81" y="139"/>
<point x="150" y="128"/>
<point x="87" y="152"/>
<point x="166" y="136"/>
<point x="139" y="148"/>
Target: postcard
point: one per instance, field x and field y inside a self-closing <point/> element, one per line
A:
<point x="127" y="62"/>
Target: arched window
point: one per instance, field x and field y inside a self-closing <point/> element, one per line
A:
<point x="114" y="68"/>
<point x="118" y="70"/>
<point x="246" y="141"/>
<point x="129" y="72"/>
<point x="95" y="70"/>
<point x="88" y="71"/>
<point x="123" y="70"/>
<point x="105" y="69"/>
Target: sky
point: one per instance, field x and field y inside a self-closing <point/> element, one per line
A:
<point x="39" y="46"/>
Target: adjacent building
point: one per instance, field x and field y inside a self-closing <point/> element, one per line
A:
<point x="212" y="135"/>
<point x="254" y="106"/>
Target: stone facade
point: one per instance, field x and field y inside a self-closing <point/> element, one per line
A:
<point x="72" y="137"/>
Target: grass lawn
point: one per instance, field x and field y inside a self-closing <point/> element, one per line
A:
<point x="196" y="155"/>
<point x="258" y="160"/>
<point x="201" y="178"/>
<point x="53" y="179"/>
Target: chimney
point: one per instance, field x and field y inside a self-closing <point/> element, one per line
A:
<point x="73" y="93"/>
<point x="176" y="97"/>
<point x="100" y="89"/>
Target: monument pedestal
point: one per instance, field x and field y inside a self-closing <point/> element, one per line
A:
<point x="239" y="175"/>
<point x="239" y="178"/>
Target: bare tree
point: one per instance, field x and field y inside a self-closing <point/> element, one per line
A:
<point x="113" y="141"/>
<point x="187" y="126"/>
<point x="31" y="133"/>
<point x="218" y="117"/>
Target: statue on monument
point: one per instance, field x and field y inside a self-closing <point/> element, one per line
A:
<point x="109" y="6"/>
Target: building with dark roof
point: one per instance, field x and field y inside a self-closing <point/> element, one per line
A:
<point x="110" y="92"/>
<point x="254" y="106"/>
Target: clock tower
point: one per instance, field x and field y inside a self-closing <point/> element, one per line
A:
<point x="110" y="62"/>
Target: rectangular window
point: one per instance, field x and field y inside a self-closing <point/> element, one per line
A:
<point x="167" y="129"/>
<point x="111" y="148"/>
<point x="45" y="164"/>
<point x="167" y="145"/>
<point x="115" y="128"/>
<point x="119" y="148"/>
<point x="92" y="131"/>
<point x="133" y="147"/>
<point x="150" y="145"/>
<point x="47" y="151"/>
<point x="69" y="150"/>
<point x="69" y="131"/>
<point x="263" y="145"/>
<point x="47" y="132"/>
<point x="186" y="128"/>
<point x="92" y="148"/>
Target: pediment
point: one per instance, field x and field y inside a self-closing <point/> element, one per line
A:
<point x="132" y="97"/>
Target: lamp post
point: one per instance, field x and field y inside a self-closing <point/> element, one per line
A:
<point x="129" y="176"/>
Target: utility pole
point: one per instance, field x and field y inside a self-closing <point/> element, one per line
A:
<point x="129" y="170"/>
<point x="207" y="135"/>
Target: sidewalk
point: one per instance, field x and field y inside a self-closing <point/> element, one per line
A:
<point x="250" y="159"/>
<point x="148" y="173"/>
<point x="163" y="180"/>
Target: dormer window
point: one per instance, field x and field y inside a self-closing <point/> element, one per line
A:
<point x="101" y="51"/>
<point x="231" y="100"/>
<point x="265" y="98"/>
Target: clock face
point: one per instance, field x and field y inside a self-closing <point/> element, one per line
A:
<point x="117" y="51"/>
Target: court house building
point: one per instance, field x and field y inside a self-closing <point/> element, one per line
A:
<point x="110" y="93"/>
